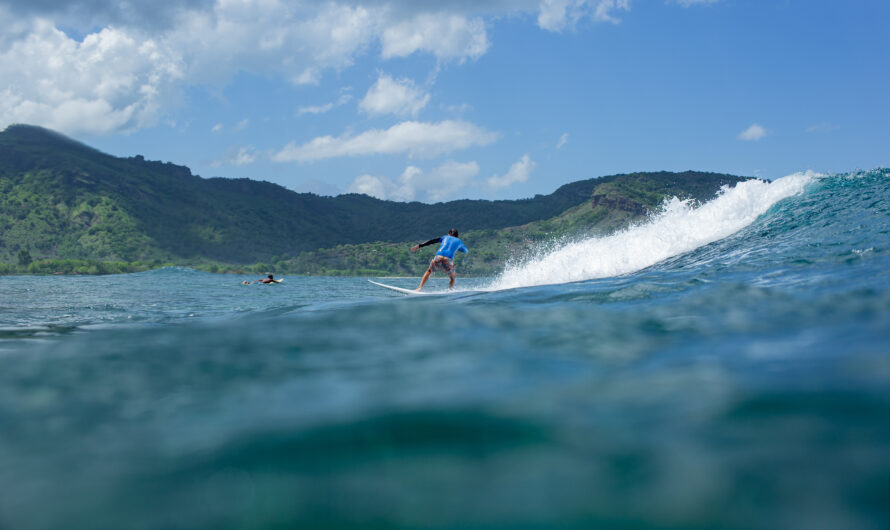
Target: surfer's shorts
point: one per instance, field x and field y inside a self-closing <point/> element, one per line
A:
<point x="442" y="263"/>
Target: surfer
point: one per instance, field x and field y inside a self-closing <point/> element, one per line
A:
<point x="444" y="258"/>
<point x="269" y="279"/>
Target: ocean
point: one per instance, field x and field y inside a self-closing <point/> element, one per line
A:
<point x="724" y="365"/>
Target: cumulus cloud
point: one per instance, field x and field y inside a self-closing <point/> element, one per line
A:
<point x="309" y="76"/>
<point x="368" y="185"/>
<point x="413" y="138"/>
<point x="237" y="156"/>
<point x="753" y="133"/>
<point x="557" y="15"/>
<point x="123" y="65"/>
<point x="441" y="183"/>
<point x="519" y="172"/>
<point x="390" y="96"/>
<point x="109" y="81"/>
<point x="121" y="71"/>
<point x="447" y="36"/>
<point x="295" y="41"/>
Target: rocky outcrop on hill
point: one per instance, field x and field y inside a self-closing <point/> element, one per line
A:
<point x="618" y="203"/>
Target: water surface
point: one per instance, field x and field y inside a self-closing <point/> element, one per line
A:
<point x="725" y="366"/>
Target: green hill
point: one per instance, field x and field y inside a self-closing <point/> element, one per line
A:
<point x="614" y="203"/>
<point x="61" y="199"/>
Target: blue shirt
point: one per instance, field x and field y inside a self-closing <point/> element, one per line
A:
<point x="449" y="246"/>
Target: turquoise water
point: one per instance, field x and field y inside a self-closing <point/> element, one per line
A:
<point x="725" y="366"/>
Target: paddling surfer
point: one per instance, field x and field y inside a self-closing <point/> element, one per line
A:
<point x="444" y="258"/>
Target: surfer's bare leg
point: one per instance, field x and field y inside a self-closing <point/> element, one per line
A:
<point x="451" y="280"/>
<point x="426" y="276"/>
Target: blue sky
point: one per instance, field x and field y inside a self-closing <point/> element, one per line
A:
<point x="433" y="101"/>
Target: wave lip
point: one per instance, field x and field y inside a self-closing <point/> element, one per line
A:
<point x="678" y="228"/>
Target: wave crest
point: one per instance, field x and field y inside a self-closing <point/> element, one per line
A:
<point x="678" y="228"/>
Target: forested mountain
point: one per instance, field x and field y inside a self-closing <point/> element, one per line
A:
<point x="62" y="199"/>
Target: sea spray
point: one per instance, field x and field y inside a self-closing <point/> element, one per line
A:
<point x="679" y="228"/>
<point x="745" y="384"/>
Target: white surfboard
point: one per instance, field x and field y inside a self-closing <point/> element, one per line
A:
<point x="401" y="289"/>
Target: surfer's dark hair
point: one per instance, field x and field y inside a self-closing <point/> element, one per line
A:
<point x="453" y="232"/>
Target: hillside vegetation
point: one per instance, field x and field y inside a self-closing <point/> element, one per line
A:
<point x="63" y="201"/>
<point x="491" y="249"/>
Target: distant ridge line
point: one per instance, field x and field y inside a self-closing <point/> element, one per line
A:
<point x="64" y="199"/>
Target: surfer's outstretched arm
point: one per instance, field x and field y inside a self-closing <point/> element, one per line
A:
<point x="415" y="248"/>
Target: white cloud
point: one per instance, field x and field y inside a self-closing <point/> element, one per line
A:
<point x="294" y="41"/>
<point x="410" y="137"/>
<point x="553" y="14"/>
<point x="447" y="36"/>
<point x="445" y="181"/>
<point x="519" y="172"/>
<point x="327" y="107"/>
<point x="131" y="71"/>
<point x="131" y="61"/>
<point x="753" y="133"/>
<point x="604" y="8"/>
<point x="409" y="181"/>
<point x="109" y="81"/>
<point x="309" y="76"/>
<point x="368" y="185"/>
<point x="389" y="96"/>
<point x="442" y="183"/>
<point x="564" y="139"/>
<point x="557" y="15"/>
<point x="240" y="126"/>
<point x="237" y="156"/>
<point x="337" y="33"/>
<point x="245" y="155"/>
<point x="316" y="109"/>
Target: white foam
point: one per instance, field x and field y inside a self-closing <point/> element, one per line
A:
<point x="677" y="229"/>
